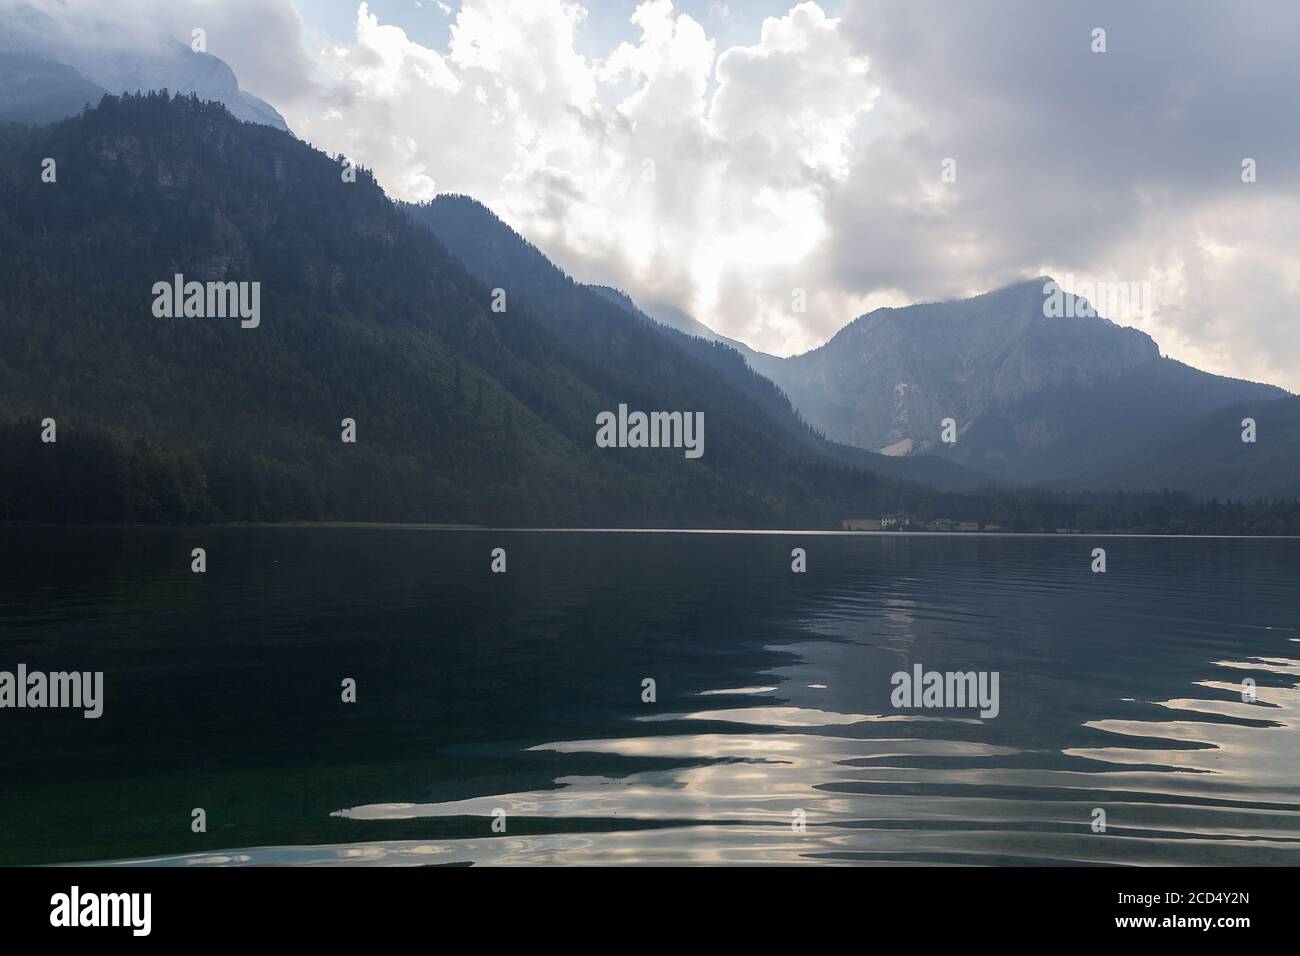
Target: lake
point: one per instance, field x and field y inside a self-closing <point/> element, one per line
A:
<point x="519" y="698"/>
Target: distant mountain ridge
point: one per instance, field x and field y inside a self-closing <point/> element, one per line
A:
<point x="370" y="327"/>
<point x="892" y="375"/>
<point x="462" y="412"/>
<point x="1064" y="401"/>
<point x="607" y="325"/>
<point x="45" y="76"/>
<point x="34" y="89"/>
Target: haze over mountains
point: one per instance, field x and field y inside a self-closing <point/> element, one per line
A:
<point x="384" y="314"/>
<point x="46" y="75"/>
<point x="607" y="324"/>
<point x="464" y="413"/>
<point x="1073" y="401"/>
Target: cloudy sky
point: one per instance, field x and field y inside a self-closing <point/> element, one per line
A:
<point x="720" y="155"/>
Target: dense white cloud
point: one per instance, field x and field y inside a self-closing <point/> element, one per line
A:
<point x="666" y="168"/>
<point x="722" y="180"/>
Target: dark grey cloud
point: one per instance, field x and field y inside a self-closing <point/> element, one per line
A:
<point x="1122" y="165"/>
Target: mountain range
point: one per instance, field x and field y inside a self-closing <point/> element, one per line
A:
<point x="465" y="413"/>
<point x="473" y="370"/>
<point x="1064" y="401"/>
<point x="607" y="324"/>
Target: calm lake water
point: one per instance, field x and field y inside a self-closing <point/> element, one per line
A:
<point x="523" y="692"/>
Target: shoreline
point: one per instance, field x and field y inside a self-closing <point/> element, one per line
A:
<point x="831" y="532"/>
